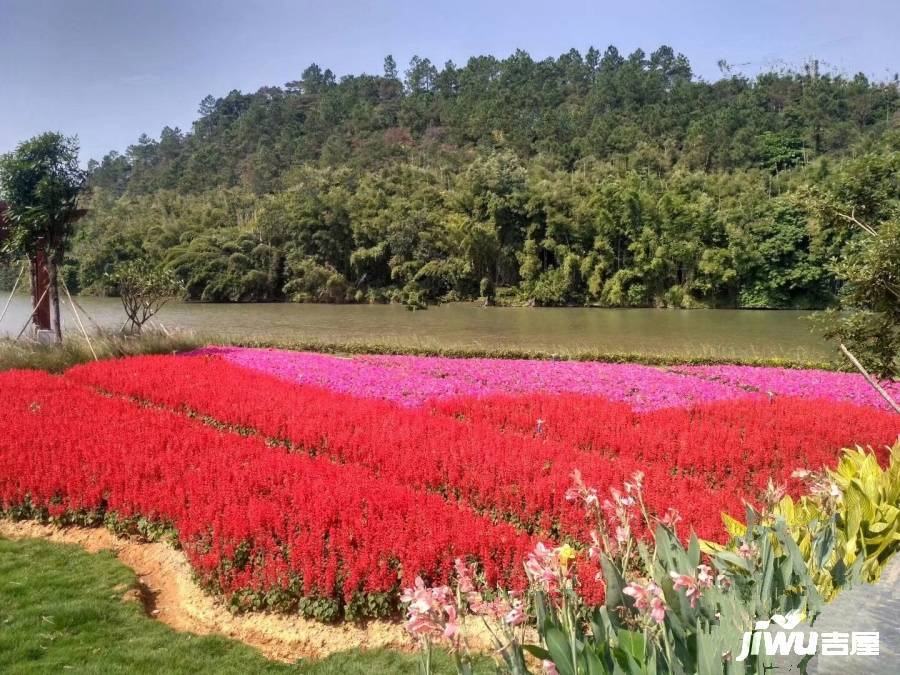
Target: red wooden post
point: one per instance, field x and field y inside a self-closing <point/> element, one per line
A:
<point x="40" y="291"/>
<point x="45" y="317"/>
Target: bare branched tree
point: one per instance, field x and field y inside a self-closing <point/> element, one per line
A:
<point x="144" y="290"/>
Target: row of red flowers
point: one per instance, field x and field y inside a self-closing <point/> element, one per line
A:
<point x="499" y="458"/>
<point x="754" y="440"/>
<point x="251" y="518"/>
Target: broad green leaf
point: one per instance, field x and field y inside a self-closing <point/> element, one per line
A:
<point x="537" y="652"/>
<point x="560" y="650"/>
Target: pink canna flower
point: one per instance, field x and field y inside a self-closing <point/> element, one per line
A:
<point x="658" y="609"/>
<point x="692" y="586"/>
<point x="476" y="602"/>
<point x="432" y="612"/>
<point x="619" y="500"/>
<point x="546" y="567"/>
<point x="581" y="492"/>
<point x="638" y="592"/>
<point x="671" y="517"/>
<point x="549" y="668"/>
<point x="595" y="550"/>
<point x="634" y="590"/>
<point x="773" y="494"/>
<point x="704" y="576"/>
<point x="747" y="551"/>
<point x="464" y="576"/>
<point x="418" y="596"/>
<point x="421" y="625"/>
<point x="451" y="627"/>
<point x="682" y="580"/>
<point x="636" y="484"/>
<point x="647" y="598"/>
<point x="516" y="615"/>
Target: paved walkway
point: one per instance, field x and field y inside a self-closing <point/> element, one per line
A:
<point x="865" y="608"/>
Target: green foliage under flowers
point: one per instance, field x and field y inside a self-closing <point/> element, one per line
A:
<point x="140" y="527"/>
<point x="856" y="506"/>
<point x="144" y="529"/>
<point x="291" y="600"/>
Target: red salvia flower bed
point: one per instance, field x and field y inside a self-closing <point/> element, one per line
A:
<point x="369" y="494"/>
<point x="250" y="517"/>
<point x="489" y="453"/>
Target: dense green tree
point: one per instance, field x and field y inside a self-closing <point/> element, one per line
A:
<point x="870" y="299"/>
<point x="40" y="184"/>
<point x="592" y="178"/>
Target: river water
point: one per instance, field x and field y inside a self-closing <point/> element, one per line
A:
<point x="722" y="333"/>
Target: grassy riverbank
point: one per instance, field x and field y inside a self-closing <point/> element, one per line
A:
<point x="703" y="356"/>
<point x="74" y="350"/>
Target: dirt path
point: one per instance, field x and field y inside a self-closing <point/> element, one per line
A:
<point x="170" y="594"/>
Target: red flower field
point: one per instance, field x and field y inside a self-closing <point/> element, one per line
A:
<point x="289" y="495"/>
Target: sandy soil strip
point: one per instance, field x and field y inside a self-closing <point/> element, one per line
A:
<point x="170" y="594"/>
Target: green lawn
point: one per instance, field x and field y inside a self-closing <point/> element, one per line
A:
<point x="61" y="610"/>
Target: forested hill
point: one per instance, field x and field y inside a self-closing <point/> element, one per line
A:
<point x="587" y="179"/>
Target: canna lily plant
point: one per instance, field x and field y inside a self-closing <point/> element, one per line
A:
<point x="846" y="526"/>
<point x="682" y="610"/>
<point x="667" y="608"/>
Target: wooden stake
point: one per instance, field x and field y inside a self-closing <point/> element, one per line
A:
<point x="35" y="309"/>
<point x="78" y="320"/>
<point x="13" y="292"/>
<point x="871" y="380"/>
<point x="84" y="311"/>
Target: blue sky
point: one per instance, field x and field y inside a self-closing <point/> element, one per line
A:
<point x="109" y="70"/>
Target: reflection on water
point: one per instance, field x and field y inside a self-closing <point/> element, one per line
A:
<point x="727" y="333"/>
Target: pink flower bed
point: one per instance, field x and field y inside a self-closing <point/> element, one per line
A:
<point x="412" y="380"/>
<point x="802" y="383"/>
